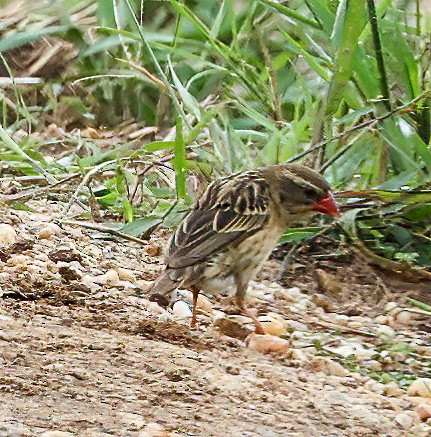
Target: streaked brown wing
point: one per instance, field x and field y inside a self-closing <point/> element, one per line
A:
<point x="231" y="209"/>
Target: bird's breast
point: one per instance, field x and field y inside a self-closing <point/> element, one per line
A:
<point x="244" y="259"/>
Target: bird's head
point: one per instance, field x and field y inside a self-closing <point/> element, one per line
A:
<point x="301" y="190"/>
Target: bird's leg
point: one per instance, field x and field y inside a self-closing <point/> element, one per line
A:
<point x="195" y="292"/>
<point x="241" y="289"/>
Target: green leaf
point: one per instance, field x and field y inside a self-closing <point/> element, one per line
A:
<point x="349" y="24"/>
<point x="18" y="39"/>
<point x="401" y="235"/>
<point x="189" y="101"/>
<point x="155" y="146"/>
<point x="128" y="211"/>
<point x="288" y="12"/>
<point x="179" y="161"/>
<point x="141" y="226"/>
<point x="322" y="14"/>
<point x="294" y="235"/>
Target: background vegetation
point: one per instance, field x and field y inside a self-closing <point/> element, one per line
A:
<point x="126" y="107"/>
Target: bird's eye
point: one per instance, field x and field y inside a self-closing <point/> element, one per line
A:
<point x="309" y="192"/>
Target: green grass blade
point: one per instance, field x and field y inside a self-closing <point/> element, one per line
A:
<point x="179" y="161"/>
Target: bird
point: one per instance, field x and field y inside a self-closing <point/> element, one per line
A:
<point x="233" y="227"/>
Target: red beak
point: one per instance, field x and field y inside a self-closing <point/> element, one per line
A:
<point x="327" y="206"/>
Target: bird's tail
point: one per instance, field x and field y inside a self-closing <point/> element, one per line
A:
<point x="159" y="291"/>
<point x="163" y="284"/>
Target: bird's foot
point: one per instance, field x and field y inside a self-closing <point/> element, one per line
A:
<point x="258" y="326"/>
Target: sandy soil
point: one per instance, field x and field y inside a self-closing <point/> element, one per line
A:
<point x="86" y="356"/>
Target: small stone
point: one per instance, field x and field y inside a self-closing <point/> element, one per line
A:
<point x="273" y="326"/>
<point x="420" y="387"/>
<point x="268" y="344"/>
<point x="144" y="285"/>
<point x="392" y="390"/>
<point x="7" y="235"/>
<point x="233" y="370"/>
<point x="385" y="330"/>
<point x="375" y="387"/>
<point x="335" y="368"/>
<point x="404" y="420"/>
<point x="110" y="278"/>
<point x="181" y="310"/>
<point x="155" y="430"/>
<point x="424" y="411"/>
<point x="126" y="275"/>
<point x="381" y="320"/>
<point x="204" y="304"/>
<point x="49" y="230"/>
<point x="336" y="398"/>
<point x="291" y="294"/>
<point x="298" y="354"/>
<point x="328" y="366"/>
<point x="89" y="281"/>
<point x="155" y="308"/>
<point x="375" y="365"/>
<point x="391" y="306"/>
<point x="405" y="318"/>
<point x="355" y="349"/>
<point x="19" y="260"/>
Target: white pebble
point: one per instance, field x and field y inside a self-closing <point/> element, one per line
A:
<point x="126" y="275"/>
<point x="154" y="430"/>
<point x="110" y="278"/>
<point x="155" y="308"/>
<point x="298" y="354"/>
<point x="7" y="235"/>
<point x="404" y="317"/>
<point x="385" y="330"/>
<point x="181" y="310"/>
<point x="19" y="260"/>
<point x="354" y="349"/>
<point x="335" y="368"/>
<point x="420" y="387"/>
<point x="390" y="306"/>
<point x="88" y="280"/>
<point x="49" y="230"/>
<point x="404" y="420"/>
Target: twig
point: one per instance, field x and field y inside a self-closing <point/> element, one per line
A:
<point x="415" y="311"/>
<point x="344" y="329"/>
<point x="155" y="80"/>
<point x="32" y="192"/>
<point x="84" y="182"/>
<point x="403" y="108"/>
<point x="104" y="229"/>
<point x="342" y="151"/>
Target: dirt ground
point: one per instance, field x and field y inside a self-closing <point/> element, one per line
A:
<point x="83" y="352"/>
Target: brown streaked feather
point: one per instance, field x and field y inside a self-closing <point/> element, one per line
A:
<point x="306" y="174"/>
<point x="163" y="285"/>
<point x="230" y="210"/>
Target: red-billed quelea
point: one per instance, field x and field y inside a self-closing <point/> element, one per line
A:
<point x="233" y="228"/>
